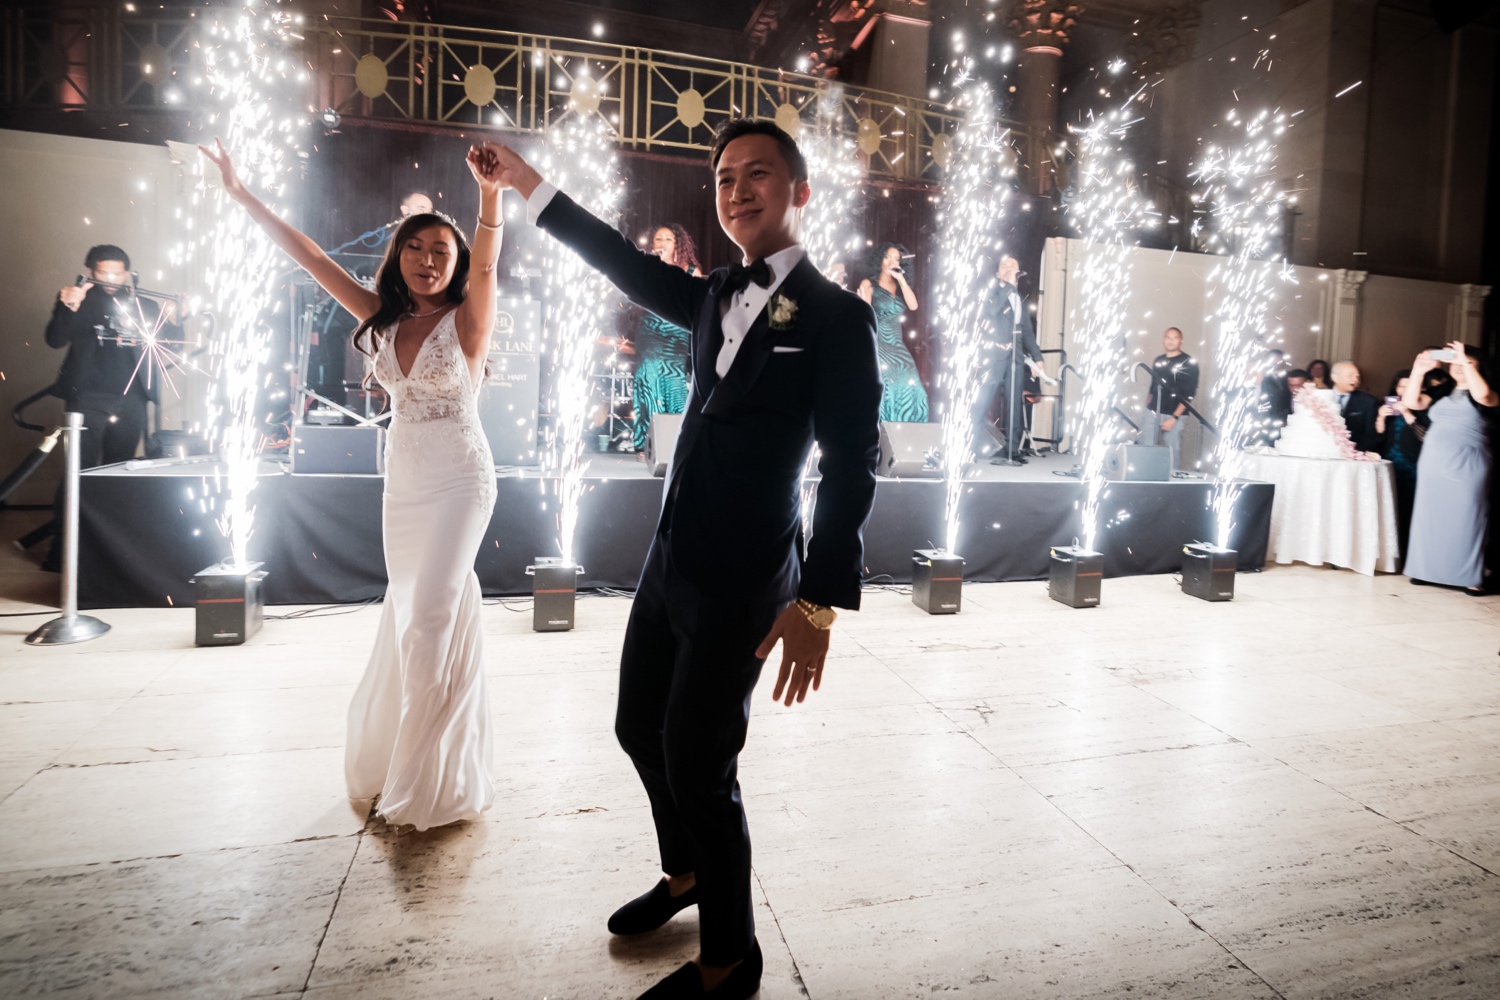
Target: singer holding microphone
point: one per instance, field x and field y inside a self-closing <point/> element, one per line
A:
<point x="1009" y="341"/>
<point x="905" y="398"/>
<point x="661" y="371"/>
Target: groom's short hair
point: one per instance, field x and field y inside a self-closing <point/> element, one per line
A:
<point x="736" y="128"/>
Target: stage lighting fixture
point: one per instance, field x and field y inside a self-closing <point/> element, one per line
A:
<point x="231" y="603"/>
<point x="937" y="580"/>
<point x="331" y="118"/>
<point x="554" y="593"/>
<point x="1074" y="576"/>
<point x="1208" y="571"/>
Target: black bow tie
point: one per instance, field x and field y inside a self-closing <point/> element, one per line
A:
<point x="740" y="276"/>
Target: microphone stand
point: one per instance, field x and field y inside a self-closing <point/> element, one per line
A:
<point x="363" y="239"/>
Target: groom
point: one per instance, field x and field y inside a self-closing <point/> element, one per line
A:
<point x="780" y="358"/>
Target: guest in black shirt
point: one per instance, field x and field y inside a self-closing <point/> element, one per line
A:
<point x="100" y="322"/>
<point x="1358" y="408"/>
<point x="1173" y="386"/>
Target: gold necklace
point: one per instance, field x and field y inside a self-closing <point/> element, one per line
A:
<point x="433" y="312"/>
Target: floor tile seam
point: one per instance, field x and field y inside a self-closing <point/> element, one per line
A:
<point x="57" y="765"/>
<point x="146" y="694"/>
<point x="21" y="870"/>
<point x="124" y="702"/>
<point x="781" y="933"/>
<point x="1403" y="825"/>
<point x="4" y="798"/>
<point x="1111" y="852"/>
<point x="878" y="658"/>
<point x="1200" y="928"/>
<point x="359" y="839"/>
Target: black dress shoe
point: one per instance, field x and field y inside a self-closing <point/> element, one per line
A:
<point x="648" y="912"/>
<point x="687" y="982"/>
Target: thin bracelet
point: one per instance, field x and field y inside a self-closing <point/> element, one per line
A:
<point x="486" y="225"/>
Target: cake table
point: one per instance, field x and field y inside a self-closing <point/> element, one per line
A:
<point x="1329" y="510"/>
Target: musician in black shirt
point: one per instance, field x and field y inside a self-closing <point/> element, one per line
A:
<point x="1174" y="383"/>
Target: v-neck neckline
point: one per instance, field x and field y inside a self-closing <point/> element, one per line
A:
<point x="421" y="348"/>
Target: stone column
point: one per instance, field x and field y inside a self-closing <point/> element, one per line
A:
<point x="1041" y="27"/>
<point x="1340" y="315"/>
<point x="1466" y="314"/>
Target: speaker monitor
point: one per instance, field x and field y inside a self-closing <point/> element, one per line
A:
<point x="1138" y="463"/>
<point x="661" y="441"/>
<point x="348" y="451"/>
<point x="911" y="451"/>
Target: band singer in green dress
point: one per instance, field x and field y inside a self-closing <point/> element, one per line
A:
<point x="905" y="399"/>
<point x="661" y="381"/>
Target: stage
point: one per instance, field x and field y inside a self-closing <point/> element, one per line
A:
<point x="146" y="528"/>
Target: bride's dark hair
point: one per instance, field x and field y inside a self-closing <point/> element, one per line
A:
<point x="395" y="296"/>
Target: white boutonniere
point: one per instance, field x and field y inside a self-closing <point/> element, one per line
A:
<point x="783" y="312"/>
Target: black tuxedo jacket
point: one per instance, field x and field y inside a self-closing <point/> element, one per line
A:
<point x="1359" y="416"/>
<point x="732" y="507"/>
<point x="1006" y="330"/>
<point x="76" y="331"/>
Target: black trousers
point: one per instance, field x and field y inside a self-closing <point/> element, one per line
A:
<point x="113" y="425"/>
<point x="686" y="675"/>
<point x="995" y="377"/>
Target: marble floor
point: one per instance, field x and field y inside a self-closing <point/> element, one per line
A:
<point x="1293" y="795"/>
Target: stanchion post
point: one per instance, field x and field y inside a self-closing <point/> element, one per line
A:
<point x="71" y="627"/>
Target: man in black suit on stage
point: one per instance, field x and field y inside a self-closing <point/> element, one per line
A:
<point x="1010" y="350"/>
<point x="1359" y="409"/>
<point x="780" y="358"/>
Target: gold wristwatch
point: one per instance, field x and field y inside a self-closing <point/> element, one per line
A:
<point x="817" y="614"/>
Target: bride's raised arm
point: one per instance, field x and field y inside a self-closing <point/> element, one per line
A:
<point x="336" y="281"/>
<point x="476" y="317"/>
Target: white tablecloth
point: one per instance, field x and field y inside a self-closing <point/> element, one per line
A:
<point x="1330" y="511"/>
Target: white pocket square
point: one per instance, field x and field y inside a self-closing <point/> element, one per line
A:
<point x="787" y="350"/>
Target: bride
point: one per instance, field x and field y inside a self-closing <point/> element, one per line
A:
<point x="419" y="726"/>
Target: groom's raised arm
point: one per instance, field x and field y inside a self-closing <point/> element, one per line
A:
<point x="846" y="423"/>
<point x="647" y="280"/>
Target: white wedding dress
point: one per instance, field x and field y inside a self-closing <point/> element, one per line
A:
<point x="419" y="726"/>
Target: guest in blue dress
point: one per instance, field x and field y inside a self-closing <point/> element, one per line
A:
<point x="661" y="348"/>
<point x="1451" y="512"/>
<point x="905" y="399"/>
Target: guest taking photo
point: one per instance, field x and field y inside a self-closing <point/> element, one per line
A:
<point x="1451" y="511"/>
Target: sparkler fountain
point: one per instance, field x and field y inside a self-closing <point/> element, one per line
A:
<point x="1246" y="208"/>
<point x="975" y="187"/>
<point x="1105" y="209"/>
<point x="579" y="157"/>
<point x="827" y="230"/>
<point x="254" y="76"/>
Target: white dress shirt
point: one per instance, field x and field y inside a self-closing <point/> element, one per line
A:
<point x="743" y="307"/>
<point x="739" y="313"/>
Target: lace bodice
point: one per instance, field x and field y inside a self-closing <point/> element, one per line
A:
<point x="436" y="443"/>
<point x="439" y="385"/>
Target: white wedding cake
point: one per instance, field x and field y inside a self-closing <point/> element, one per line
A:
<point x="1316" y="429"/>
